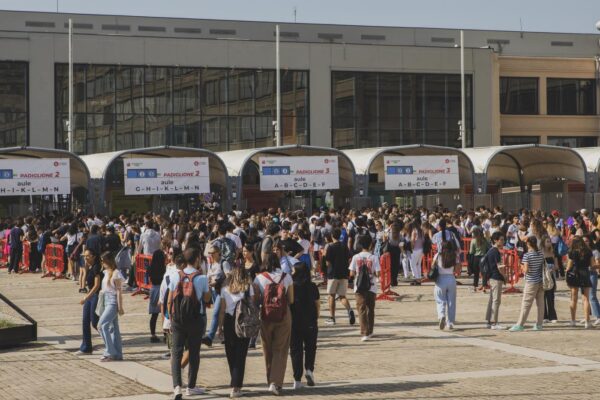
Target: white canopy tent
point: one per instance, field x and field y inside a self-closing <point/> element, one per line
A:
<point x="100" y="164"/>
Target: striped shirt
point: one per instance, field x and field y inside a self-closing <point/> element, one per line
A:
<point x="535" y="263"/>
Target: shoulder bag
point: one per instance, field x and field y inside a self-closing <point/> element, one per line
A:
<point x="548" y="283"/>
<point x="433" y="273"/>
<point x="100" y="304"/>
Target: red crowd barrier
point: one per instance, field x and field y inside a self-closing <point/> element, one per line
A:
<point x="55" y="261"/>
<point x="142" y="280"/>
<point x="385" y="278"/>
<point x="512" y="263"/>
<point x="24" y="263"/>
<point x="3" y="253"/>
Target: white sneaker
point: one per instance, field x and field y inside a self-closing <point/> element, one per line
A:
<point x="597" y="322"/>
<point x="177" y="392"/>
<point x="546" y="321"/>
<point x="588" y="325"/>
<point x="450" y="326"/>
<point x="554" y="321"/>
<point x="235" y="394"/>
<point x="274" y="389"/>
<point x="310" y="377"/>
<point x="298" y="385"/>
<point x="364" y="338"/>
<point x="498" y="327"/>
<point x="195" y="391"/>
<point x="370" y="336"/>
<point x="573" y="324"/>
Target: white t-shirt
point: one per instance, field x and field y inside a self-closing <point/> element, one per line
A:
<point x="235" y="238"/>
<point x="231" y="300"/>
<point x="111" y="288"/>
<point x="366" y="257"/>
<point x="262" y="282"/>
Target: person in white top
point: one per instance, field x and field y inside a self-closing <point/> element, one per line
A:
<point x="108" y="325"/>
<point x="365" y="299"/>
<point x="237" y="286"/>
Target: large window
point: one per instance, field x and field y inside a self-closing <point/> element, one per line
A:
<point x="124" y="107"/>
<point x="387" y="109"/>
<point x="14" y="107"/>
<point x="518" y="95"/>
<point x="514" y="140"/>
<point x="573" y="141"/>
<point x="571" y="96"/>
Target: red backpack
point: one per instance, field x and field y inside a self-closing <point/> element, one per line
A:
<point x="275" y="304"/>
<point x="185" y="306"/>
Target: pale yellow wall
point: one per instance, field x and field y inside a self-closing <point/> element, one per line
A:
<point x="544" y="125"/>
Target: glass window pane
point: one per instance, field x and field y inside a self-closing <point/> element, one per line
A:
<point x="13" y="129"/>
<point x="186" y="96"/>
<point x="13" y="87"/>
<point x="130" y="132"/>
<point x="265" y="92"/>
<point x="157" y="129"/>
<point x="157" y="90"/>
<point x="100" y="133"/>
<point x="100" y="89"/>
<point x="214" y="94"/>
<point x="241" y="93"/>
<point x="514" y="140"/>
<point x="214" y="133"/>
<point x="518" y="95"/>
<point x="571" y="96"/>
<point x="185" y="131"/>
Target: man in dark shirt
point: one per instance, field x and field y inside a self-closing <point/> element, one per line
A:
<point x="292" y="247"/>
<point x="496" y="279"/>
<point x="15" y="239"/>
<point x="94" y="241"/>
<point x="337" y="259"/>
<point x="112" y="242"/>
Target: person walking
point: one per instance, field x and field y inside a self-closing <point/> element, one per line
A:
<point x="188" y="295"/>
<point x="336" y="258"/>
<point x="417" y="239"/>
<point x="552" y="265"/>
<point x="365" y="268"/>
<point x="276" y="293"/>
<point x="93" y="278"/>
<point x="532" y="267"/>
<point x="305" y="314"/>
<point x="445" y="285"/>
<point x="156" y="271"/>
<point x="478" y="248"/>
<point x="15" y="240"/>
<point x="113" y="308"/>
<point x="237" y="286"/>
<point x="217" y="271"/>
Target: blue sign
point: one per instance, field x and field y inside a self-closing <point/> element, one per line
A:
<point x="400" y="170"/>
<point x="6" y="173"/>
<point x="276" y="170"/>
<point x="141" y="173"/>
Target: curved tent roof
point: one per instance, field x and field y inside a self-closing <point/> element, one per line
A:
<point x="236" y="160"/>
<point x="366" y="159"/>
<point x="534" y="162"/>
<point x="80" y="175"/>
<point x="591" y="157"/>
<point x="99" y="164"/>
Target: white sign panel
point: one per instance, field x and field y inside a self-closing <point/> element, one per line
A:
<point x="421" y="172"/>
<point x="35" y="176"/>
<point x="166" y="175"/>
<point x="299" y="173"/>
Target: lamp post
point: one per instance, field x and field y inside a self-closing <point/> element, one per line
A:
<point x="277" y="121"/>
<point x="463" y="133"/>
<point x="70" y="123"/>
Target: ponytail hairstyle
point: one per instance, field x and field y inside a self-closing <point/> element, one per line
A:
<point x="442" y="225"/>
<point x="532" y="242"/>
<point x="448" y="254"/>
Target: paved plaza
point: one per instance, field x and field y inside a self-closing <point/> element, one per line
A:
<point x="409" y="357"/>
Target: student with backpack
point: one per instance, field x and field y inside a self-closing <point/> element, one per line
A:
<point x="188" y="295"/>
<point x="305" y="316"/>
<point x="446" y="264"/>
<point x="276" y="293"/>
<point x="364" y="267"/>
<point x="240" y="317"/>
<point x="493" y="271"/>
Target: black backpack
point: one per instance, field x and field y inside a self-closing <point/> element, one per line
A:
<point x="185" y="306"/>
<point x="363" y="278"/>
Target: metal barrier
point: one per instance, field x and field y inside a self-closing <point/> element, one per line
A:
<point x="385" y="278"/>
<point x="25" y="262"/>
<point x="55" y="261"/>
<point x="511" y="261"/>
<point x="3" y="253"/>
<point x="142" y="280"/>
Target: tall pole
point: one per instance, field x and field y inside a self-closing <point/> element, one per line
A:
<point x="463" y="131"/>
<point x="278" y="89"/>
<point x="70" y="123"/>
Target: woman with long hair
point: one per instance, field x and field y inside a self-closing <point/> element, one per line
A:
<point x="548" y="251"/>
<point x="578" y="278"/>
<point x="393" y="238"/>
<point x="156" y="271"/>
<point x="417" y="239"/>
<point x="477" y="250"/>
<point x="237" y="286"/>
<point x="113" y="308"/>
<point x="445" y="284"/>
<point x="89" y="302"/>
<point x="532" y="267"/>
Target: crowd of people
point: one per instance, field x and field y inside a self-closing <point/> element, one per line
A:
<point x="256" y="271"/>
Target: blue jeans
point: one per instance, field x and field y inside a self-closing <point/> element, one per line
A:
<point x="445" y="296"/>
<point x="89" y="318"/>
<point x="109" y="329"/>
<point x="593" y="298"/>
<point x="214" y="324"/>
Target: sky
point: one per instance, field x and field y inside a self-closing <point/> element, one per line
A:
<point x="577" y="16"/>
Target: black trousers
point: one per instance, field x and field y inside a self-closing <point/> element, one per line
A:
<point x="549" y="310"/>
<point x="188" y="334"/>
<point x="15" y="257"/>
<point x="303" y="348"/>
<point x="395" y="267"/>
<point x="236" y="349"/>
<point x="475" y="270"/>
